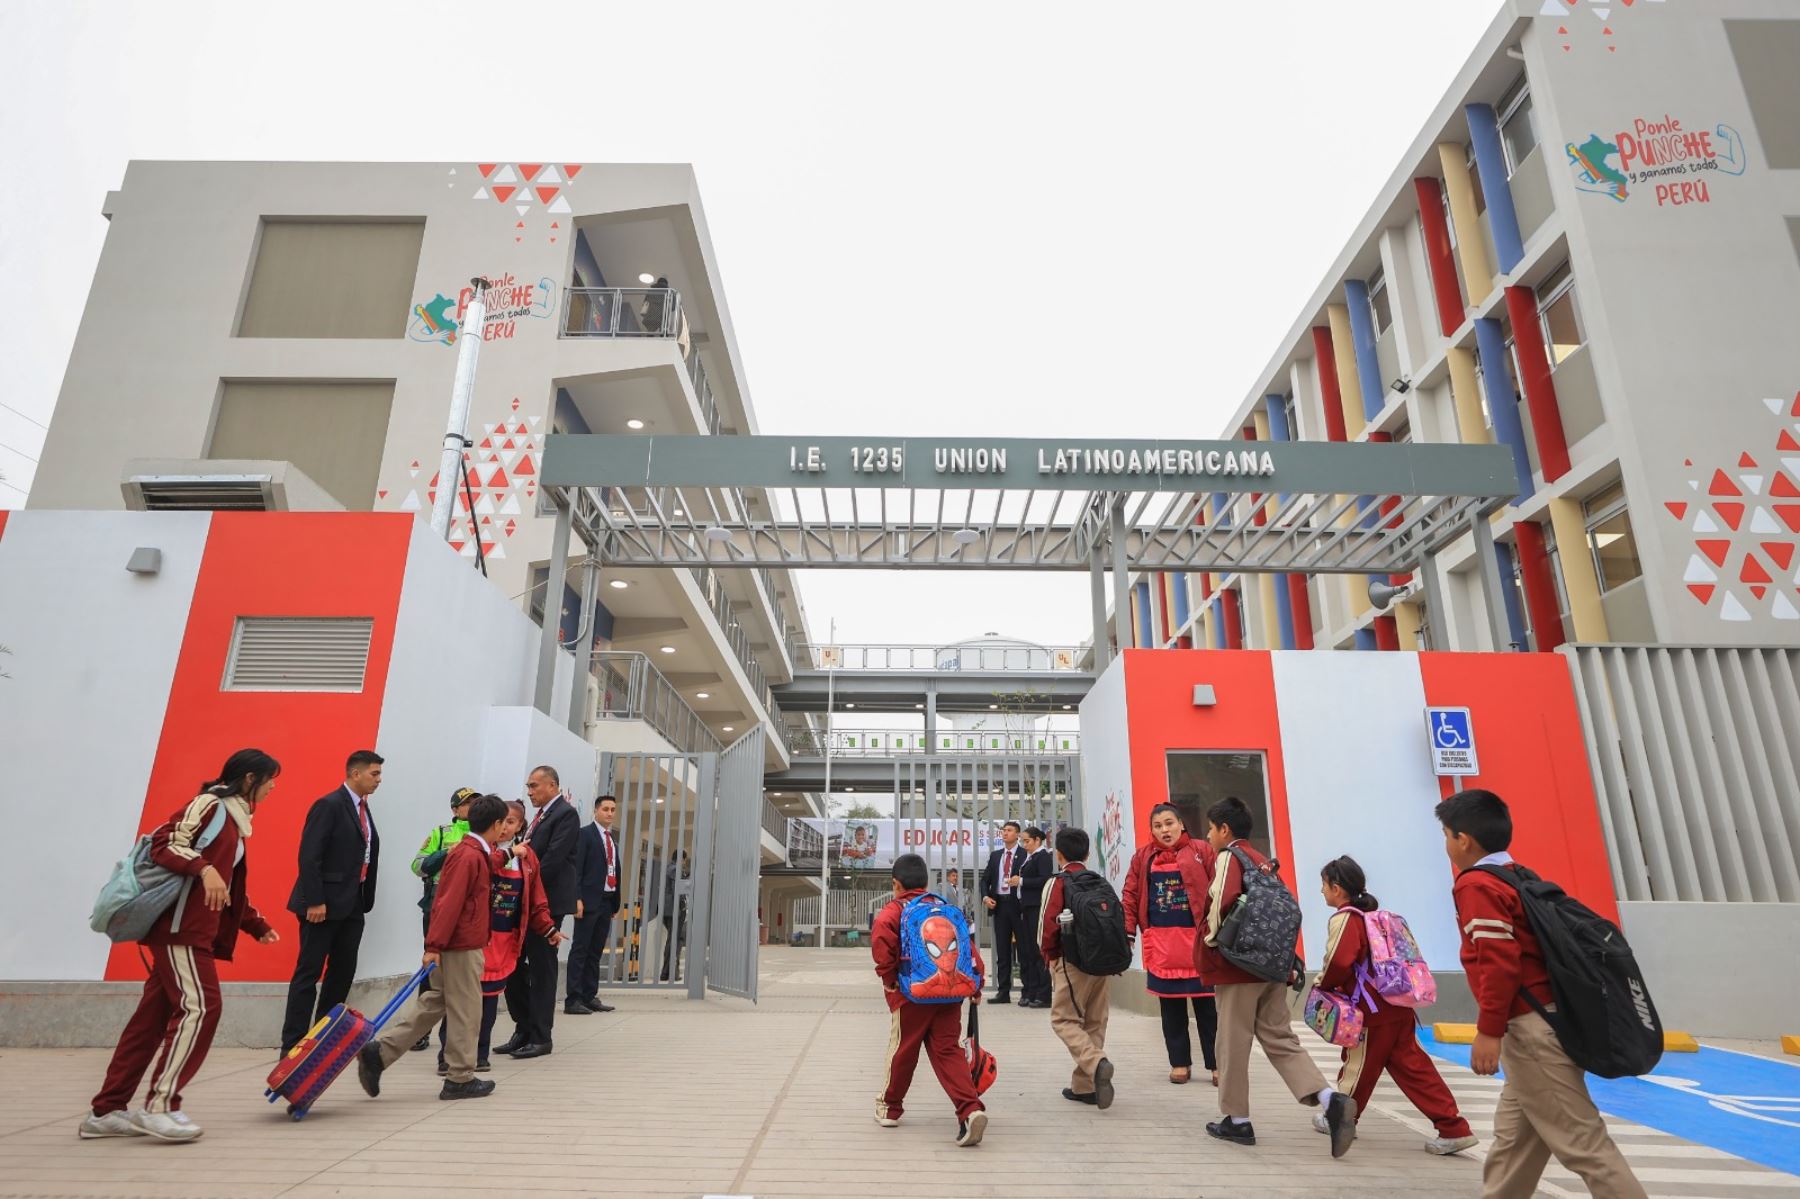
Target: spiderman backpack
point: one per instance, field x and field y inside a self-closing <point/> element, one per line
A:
<point x="937" y="958"/>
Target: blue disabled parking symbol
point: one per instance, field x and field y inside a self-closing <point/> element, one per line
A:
<point x="1451" y="735"/>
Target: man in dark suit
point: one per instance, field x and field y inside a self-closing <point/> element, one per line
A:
<point x="1000" y="894"/>
<point x="597" y="873"/>
<point x="340" y="853"/>
<point x="1039" y="868"/>
<point x="531" y="991"/>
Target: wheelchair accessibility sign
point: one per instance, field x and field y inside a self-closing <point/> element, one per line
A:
<point x="1452" y="738"/>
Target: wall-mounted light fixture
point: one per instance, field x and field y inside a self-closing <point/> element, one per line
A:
<point x="145" y="560"/>
<point x="1402" y="385"/>
<point x="1204" y="696"/>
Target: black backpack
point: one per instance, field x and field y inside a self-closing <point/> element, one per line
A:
<point x="1604" y="1016"/>
<point x="1095" y="941"/>
<point x="1260" y="932"/>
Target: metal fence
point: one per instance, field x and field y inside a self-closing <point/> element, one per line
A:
<point x="659" y="800"/>
<point x="934" y="658"/>
<point x="736" y="879"/>
<point x="631" y="688"/>
<point x="775" y="823"/>
<point x="883" y="743"/>
<point x="1695" y="754"/>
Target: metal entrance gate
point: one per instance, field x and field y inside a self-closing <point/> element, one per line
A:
<point x="689" y="837"/>
<point x="950" y="809"/>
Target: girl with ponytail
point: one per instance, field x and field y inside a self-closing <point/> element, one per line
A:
<point x="1390" y="1041"/>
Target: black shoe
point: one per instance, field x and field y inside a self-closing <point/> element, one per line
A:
<point x="368" y="1069"/>
<point x="1340" y="1122"/>
<point x="575" y="1007"/>
<point x="1231" y="1130"/>
<point x="539" y="1050"/>
<point x="475" y="1088"/>
<point x="1103" y="1086"/>
<point x="594" y="1005"/>
<point x="443" y="1068"/>
<point x="1001" y="999"/>
<point x="513" y="1044"/>
<point x="483" y="1066"/>
<point x="422" y="1043"/>
<point x="1069" y="1094"/>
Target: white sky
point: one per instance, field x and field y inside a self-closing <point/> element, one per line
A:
<point x="996" y="219"/>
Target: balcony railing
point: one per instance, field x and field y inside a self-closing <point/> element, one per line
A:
<point x="631" y="688"/>
<point x="642" y="312"/>
<point x="736" y="636"/>
<point x="775" y="823"/>
<point x="1042" y="659"/>
<point x="889" y="743"/>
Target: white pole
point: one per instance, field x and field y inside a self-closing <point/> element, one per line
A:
<point x="825" y="854"/>
<point x="462" y="394"/>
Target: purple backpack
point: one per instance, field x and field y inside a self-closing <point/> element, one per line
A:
<point x="1397" y="969"/>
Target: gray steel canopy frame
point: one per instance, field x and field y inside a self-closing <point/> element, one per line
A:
<point x="1014" y="503"/>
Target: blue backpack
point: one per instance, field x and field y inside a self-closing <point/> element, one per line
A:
<point x="937" y="955"/>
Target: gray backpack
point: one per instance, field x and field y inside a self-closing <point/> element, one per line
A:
<point x="139" y="891"/>
<point x="1260" y="932"/>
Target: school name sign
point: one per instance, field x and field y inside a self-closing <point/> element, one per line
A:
<point x="1027" y="464"/>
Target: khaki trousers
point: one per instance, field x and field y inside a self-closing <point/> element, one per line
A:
<point x="456" y="994"/>
<point x="1545" y="1109"/>
<point x="1259" y="1012"/>
<point x="1079" y="1004"/>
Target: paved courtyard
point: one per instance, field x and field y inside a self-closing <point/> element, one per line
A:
<point x="667" y="1097"/>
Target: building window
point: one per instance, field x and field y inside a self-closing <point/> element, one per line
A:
<point x="332" y="278"/>
<point x="1610" y="539"/>
<point x="1379" y="303"/>
<point x="1290" y="417"/>
<point x="1560" y="318"/>
<point x="1518" y="128"/>
<point x="333" y="430"/>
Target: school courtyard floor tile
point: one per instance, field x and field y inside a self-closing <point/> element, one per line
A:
<point x="668" y="1097"/>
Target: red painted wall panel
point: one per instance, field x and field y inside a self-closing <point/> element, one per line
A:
<point x="277" y="564"/>
<point x="1159" y="686"/>
<point x="1533" y="755"/>
<point x="1444" y="286"/>
<point x="1331" y="400"/>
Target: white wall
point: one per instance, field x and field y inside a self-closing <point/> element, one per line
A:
<point x="93" y="657"/>
<point x="515" y="741"/>
<point x="1344" y="758"/>
<point x="1106" y="773"/>
<point x="461" y="649"/>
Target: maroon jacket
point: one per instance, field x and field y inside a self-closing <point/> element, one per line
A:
<point x="461" y="917"/>
<point x="172" y="848"/>
<point x="1227" y="885"/>
<point x="884" y="945"/>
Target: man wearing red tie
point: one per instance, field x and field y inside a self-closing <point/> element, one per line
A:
<point x="531" y="991"/>
<point x="1000" y="893"/>
<point x="596" y="903"/>
<point x="339" y="853"/>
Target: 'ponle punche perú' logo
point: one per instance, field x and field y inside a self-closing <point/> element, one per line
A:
<point x="1676" y="162"/>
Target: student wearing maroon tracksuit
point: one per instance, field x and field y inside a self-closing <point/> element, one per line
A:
<point x="179" y="1009"/>
<point x="934" y="1027"/>
<point x="1390" y="1038"/>
<point x="1544" y="1107"/>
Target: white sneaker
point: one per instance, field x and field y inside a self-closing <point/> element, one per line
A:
<point x="112" y="1124"/>
<point x="166" y="1126"/>
<point x="1319" y="1124"/>
<point x="882" y="1117"/>
<point x="1445" y="1146"/>
<point x="971" y="1130"/>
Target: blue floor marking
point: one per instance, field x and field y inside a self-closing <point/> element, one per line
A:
<point x="1743" y="1104"/>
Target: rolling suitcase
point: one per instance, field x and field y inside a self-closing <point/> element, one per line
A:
<point x="332" y="1044"/>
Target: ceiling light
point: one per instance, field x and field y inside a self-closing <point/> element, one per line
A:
<point x="993" y="707"/>
<point x="634" y="423"/>
<point x="668" y="649"/>
<point x="702" y="695"/>
<point x="728" y="728"/>
<point x="646" y="278"/>
<point x="918" y="705"/>
<point x="965" y="536"/>
<point x="718" y="533"/>
<point x="679" y="512"/>
<point x="1066" y="707"/>
<point x="618" y="584"/>
<point x="849" y="705"/>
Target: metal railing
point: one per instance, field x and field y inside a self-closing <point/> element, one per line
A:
<point x="888" y="743"/>
<point x="713" y="589"/>
<point x="997" y="658"/>
<point x="631" y="688"/>
<point x="775" y="823"/>
<point x="624" y="312"/>
<point x="642" y="312"/>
